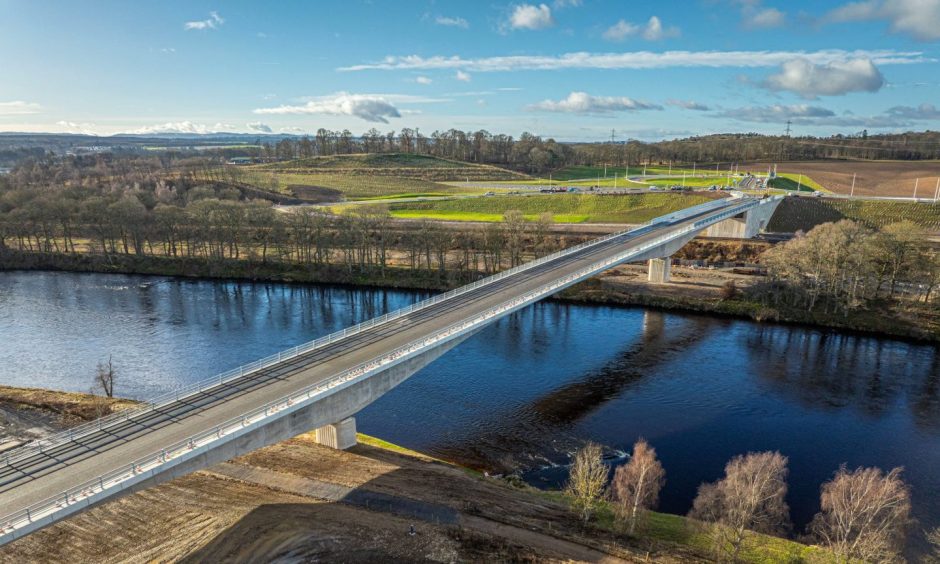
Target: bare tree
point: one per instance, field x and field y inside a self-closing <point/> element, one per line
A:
<point x="587" y="480"/>
<point x="864" y="515"/>
<point x="933" y="537"/>
<point x="749" y="498"/>
<point x="105" y="377"/>
<point x="637" y="483"/>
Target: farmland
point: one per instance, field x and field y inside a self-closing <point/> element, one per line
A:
<point x="371" y="175"/>
<point x="873" y="178"/>
<point x="565" y="208"/>
<point x="796" y="214"/>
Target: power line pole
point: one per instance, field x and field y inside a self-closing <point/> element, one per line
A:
<point x="787" y="134"/>
<point x="852" y="193"/>
<point x="611" y="136"/>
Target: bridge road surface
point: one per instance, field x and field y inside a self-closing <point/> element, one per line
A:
<point x="59" y="468"/>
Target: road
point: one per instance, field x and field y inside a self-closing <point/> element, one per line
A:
<point x="44" y="475"/>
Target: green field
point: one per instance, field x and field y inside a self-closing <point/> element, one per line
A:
<point x="792" y="182"/>
<point x="352" y="186"/>
<point x="585" y="172"/>
<point x="565" y="208"/>
<point x="402" y="165"/>
<point x="796" y="214"/>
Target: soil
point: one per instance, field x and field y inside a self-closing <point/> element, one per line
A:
<point x="298" y="501"/>
<point x="873" y="178"/>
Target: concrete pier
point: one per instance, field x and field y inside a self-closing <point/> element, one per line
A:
<point x="340" y="435"/>
<point x="659" y="270"/>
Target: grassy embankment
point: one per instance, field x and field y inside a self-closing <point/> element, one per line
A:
<point x="565" y="208"/>
<point x="375" y="175"/>
<point x="796" y="183"/>
<point x="796" y="214"/>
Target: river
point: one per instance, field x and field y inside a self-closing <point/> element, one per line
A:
<point x="526" y="392"/>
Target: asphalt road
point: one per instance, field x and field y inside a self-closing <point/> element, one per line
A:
<point x="65" y="466"/>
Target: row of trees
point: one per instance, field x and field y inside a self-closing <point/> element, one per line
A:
<point x="841" y="266"/>
<point x="864" y="513"/>
<point x="213" y="224"/>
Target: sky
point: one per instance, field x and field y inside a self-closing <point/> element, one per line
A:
<point x="575" y="70"/>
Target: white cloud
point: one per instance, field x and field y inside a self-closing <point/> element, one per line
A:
<point x="918" y="18"/>
<point x="462" y="76"/>
<point x="561" y="4"/>
<point x="530" y="16"/>
<point x="19" y="108"/>
<point x="652" y="30"/>
<point x="688" y="105"/>
<point x="640" y="60"/>
<point x="923" y="112"/>
<point x="764" y="18"/>
<point x="423" y="80"/>
<point x="584" y="103"/>
<point x="291" y="129"/>
<point x="369" y="107"/>
<point x="832" y="79"/>
<point x="803" y="114"/>
<point x="452" y="22"/>
<point x="182" y="127"/>
<point x="213" y="22"/>
<point x="259" y="127"/>
<point x="73" y="127"/>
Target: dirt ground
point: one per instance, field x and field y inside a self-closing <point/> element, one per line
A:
<point x="873" y="178"/>
<point x="686" y="282"/>
<point x="299" y="502"/>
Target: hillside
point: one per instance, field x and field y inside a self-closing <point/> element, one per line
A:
<point x="795" y="214"/>
<point x="402" y="165"/>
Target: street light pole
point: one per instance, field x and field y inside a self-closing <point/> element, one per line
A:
<point x="852" y="193"/>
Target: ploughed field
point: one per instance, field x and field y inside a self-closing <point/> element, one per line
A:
<point x="873" y="178"/>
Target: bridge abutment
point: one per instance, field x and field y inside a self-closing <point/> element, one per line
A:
<point x="340" y="436"/>
<point x="660" y="270"/>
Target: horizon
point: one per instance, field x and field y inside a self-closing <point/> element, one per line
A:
<point x="572" y="70"/>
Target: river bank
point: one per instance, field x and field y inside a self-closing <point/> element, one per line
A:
<point x="298" y="500"/>
<point x="690" y="290"/>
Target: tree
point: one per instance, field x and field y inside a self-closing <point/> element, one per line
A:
<point x="587" y="480"/>
<point x="864" y="515"/>
<point x="105" y="376"/>
<point x="933" y="538"/>
<point x="637" y="484"/>
<point x="749" y="498"/>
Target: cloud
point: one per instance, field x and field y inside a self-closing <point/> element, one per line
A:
<point x="688" y="105"/>
<point x="259" y="127"/>
<point x="452" y="22"/>
<point x="764" y="18"/>
<point x="369" y="107"/>
<point x="291" y="129"/>
<point x="918" y="18"/>
<point x="835" y="78"/>
<point x="803" y="114"/>
<point x="584" y="103"/>
<point x="923" y="112"/>
<point x="462" y="76"/>
<point x="182" y="127"/>
<point x="213" y="22"/>
<point x="423" y="80"/>
<point x="73" y="127"/>
<point x="530" y="16"/>
<point x="19" y="108"/>
<point x="640" y="60"/>
<point x="561" y="4"/>
<point x="653" y="30"/>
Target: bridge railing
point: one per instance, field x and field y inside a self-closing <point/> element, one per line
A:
<point x="39" y="445"/>
<point x="127" y="475"/>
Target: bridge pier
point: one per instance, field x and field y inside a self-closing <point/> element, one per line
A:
<point x="743" y="226"/>
<point x="340" y="435"/>
<point x="660" y="270"/>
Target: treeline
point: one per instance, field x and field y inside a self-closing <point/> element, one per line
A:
<point x="213" y="224"/>
<point x="843" y="266"/>
<point x="864" y="513"/>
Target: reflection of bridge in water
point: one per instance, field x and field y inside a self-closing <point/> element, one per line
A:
<point x="322" y="384"/>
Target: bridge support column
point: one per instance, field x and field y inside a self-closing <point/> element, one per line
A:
<point x="340" y="435"/>
<point x="659" y="270"/>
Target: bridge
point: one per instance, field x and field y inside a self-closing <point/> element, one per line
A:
<point x="319" y="385"/>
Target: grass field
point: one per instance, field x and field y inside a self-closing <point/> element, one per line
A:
<point x="796" y="214"/>
<point x="584" y="172"/>
<point x="565" y="208"/>
<point x="402" y="165"/>
<point x="352" y="186"/>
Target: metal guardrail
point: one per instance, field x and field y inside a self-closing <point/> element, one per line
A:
<point x="39" y="445"/>
<point x="145" y="467"/>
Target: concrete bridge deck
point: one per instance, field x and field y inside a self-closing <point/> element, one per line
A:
<point x="55" y="472"/>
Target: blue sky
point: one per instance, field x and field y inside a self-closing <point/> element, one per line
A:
<point x="570" y="69"/>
